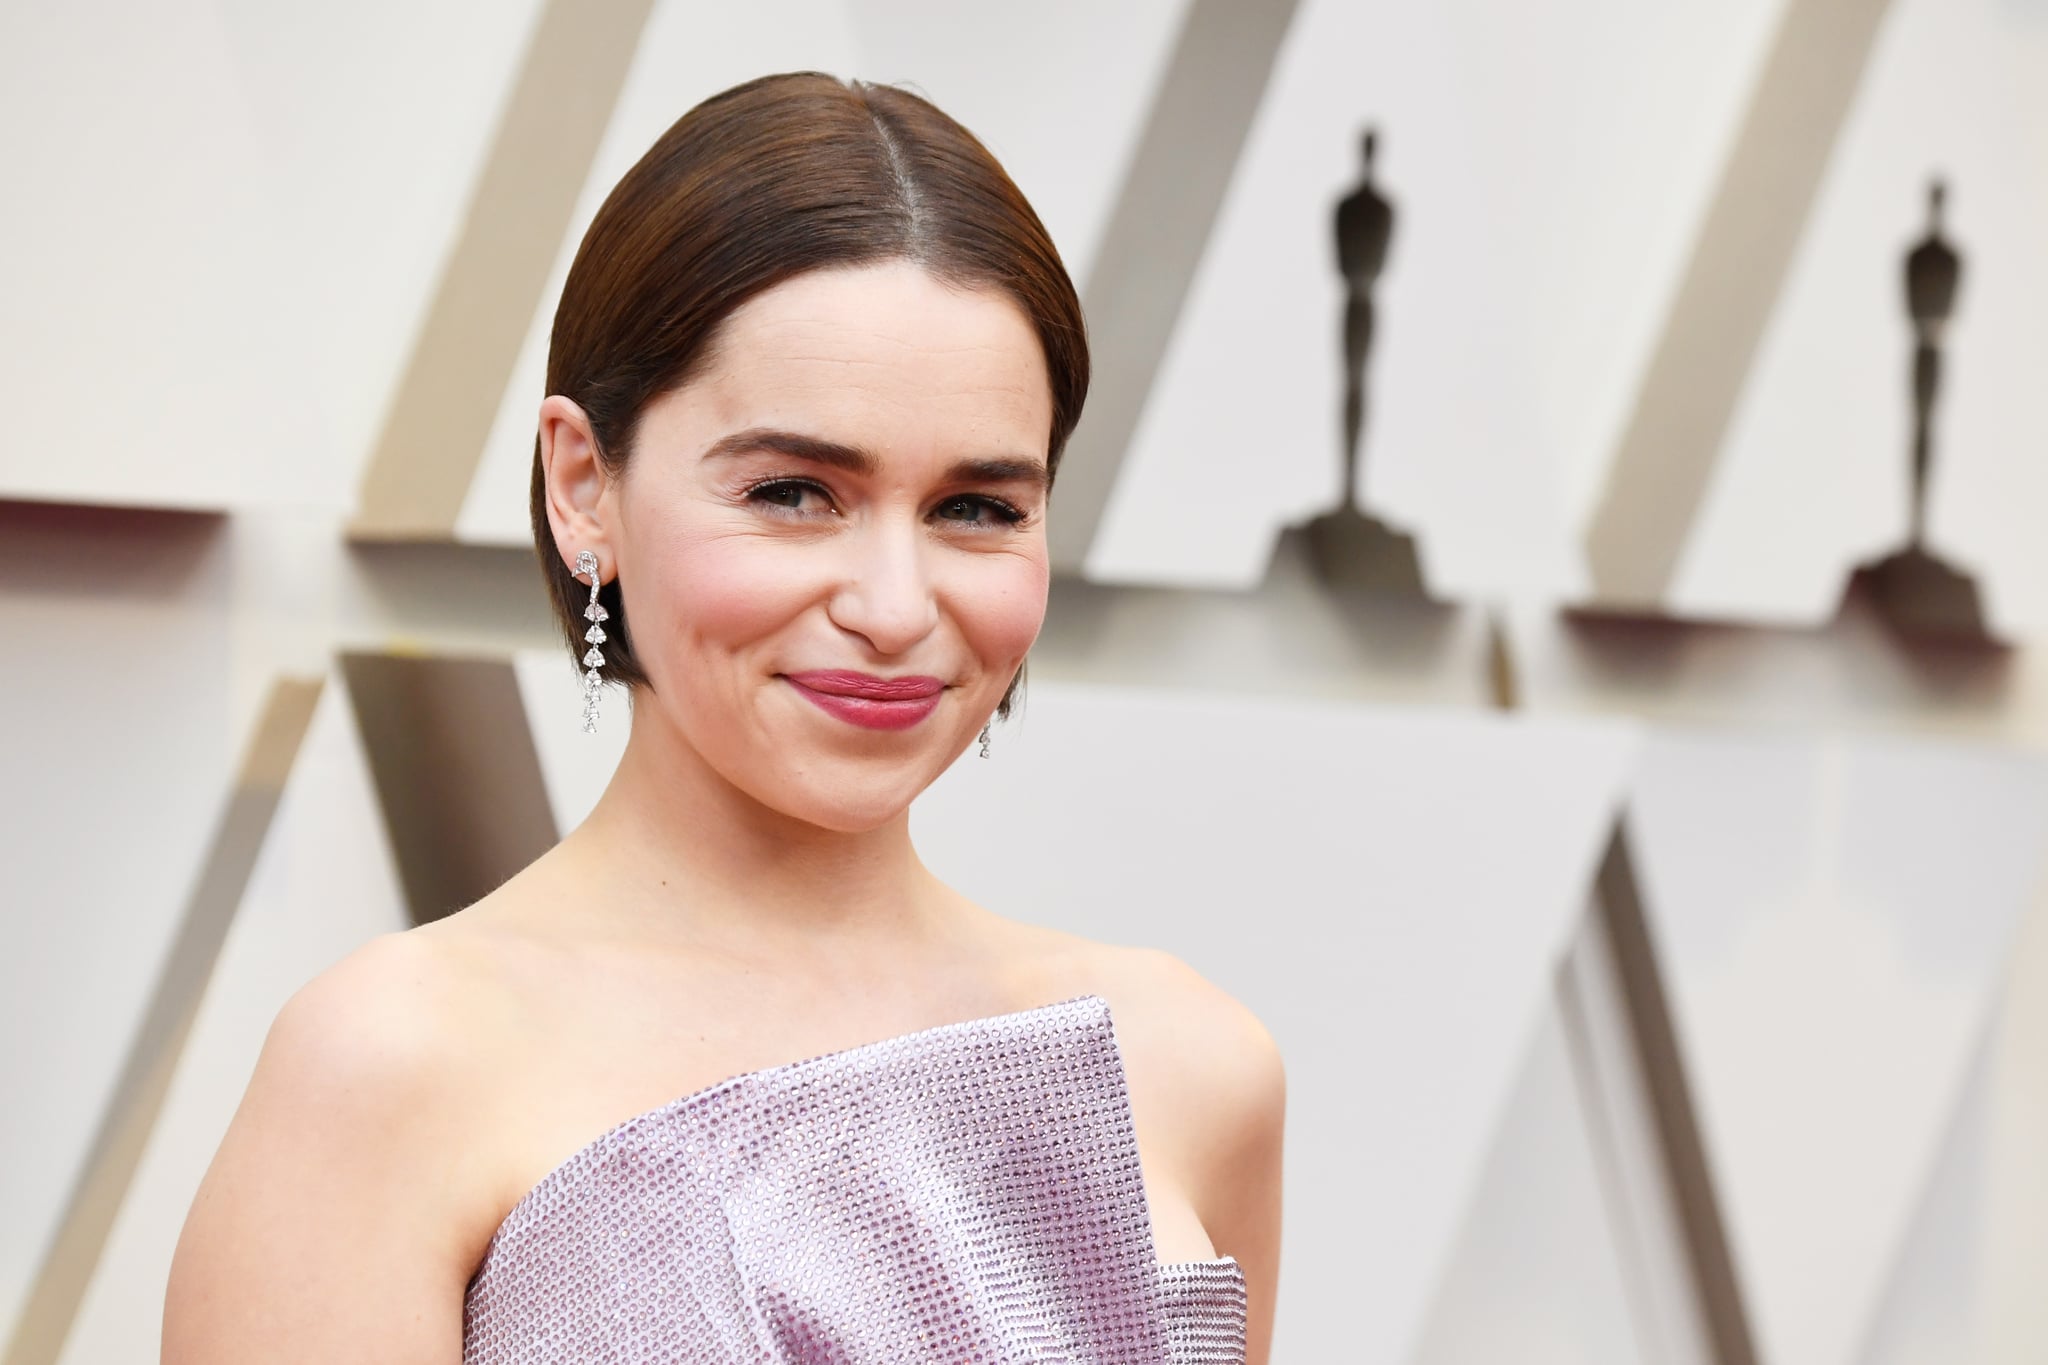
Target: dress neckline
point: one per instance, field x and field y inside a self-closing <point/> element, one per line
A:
<point x="578" y="1159"/>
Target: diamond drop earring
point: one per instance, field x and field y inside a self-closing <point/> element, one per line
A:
<point x="593" y="659"/>
<point x="984" y="739"/>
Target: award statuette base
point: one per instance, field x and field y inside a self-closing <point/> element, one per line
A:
<point x="1923" y="596"/>
<point x="1352" y="551"/>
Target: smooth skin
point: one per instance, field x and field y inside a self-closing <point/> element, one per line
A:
<point x="745" y="893"/>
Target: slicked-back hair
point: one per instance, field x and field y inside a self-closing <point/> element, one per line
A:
<point x="757" y="185"/>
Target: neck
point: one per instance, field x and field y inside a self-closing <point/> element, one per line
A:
<point x="685" y="856"/>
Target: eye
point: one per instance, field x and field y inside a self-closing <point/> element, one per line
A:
<point x="975" y="509"/>
<point x="791" y="495"/>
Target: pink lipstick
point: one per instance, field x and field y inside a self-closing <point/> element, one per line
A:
<point x="868" y="701"/>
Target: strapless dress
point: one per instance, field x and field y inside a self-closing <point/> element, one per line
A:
<point x="970" y="1192"/>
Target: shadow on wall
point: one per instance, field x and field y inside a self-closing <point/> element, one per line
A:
<point x="457" y="775"/>
<point x="125" y="553"/>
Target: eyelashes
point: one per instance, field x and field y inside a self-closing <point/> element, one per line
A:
<point x="1001" y="512"/>
<point x="803" y="499"/>
<point x="787" y="495"/>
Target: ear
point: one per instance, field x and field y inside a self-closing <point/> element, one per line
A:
<point x="579" y="492"/>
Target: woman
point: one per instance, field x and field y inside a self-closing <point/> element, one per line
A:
<point x="808" y="386"/>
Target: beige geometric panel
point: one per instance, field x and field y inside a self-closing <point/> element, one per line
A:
<point x="1833" y="917"/>
<point x="1154" y="237"/>
<point x="1744" y="244"/>
<point x="151" y="346"/>
<point x="1323" y="863"/>
<point x="1967" y="1284"/>
<point x="1643" y="1103"/>
<point x="1536" y="1276"/>
<point x="1537" y="233"/>
<point x="116" y="620"/>
<point x="441" y="414"/>
<point x="323" y="883"/>
<point x="1814" y="474"/>
<point x="374" y="119"/>
<point x="1931" y="1310"/>
<point x="233" y="214"/>
<point x="2015" y="1243"/>
<point x="136" y="1099"/>
<point x="1618" y="1028"/>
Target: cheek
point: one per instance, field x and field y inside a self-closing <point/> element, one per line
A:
<point x="731" y="591"/>
<point x="1002" y="612"/>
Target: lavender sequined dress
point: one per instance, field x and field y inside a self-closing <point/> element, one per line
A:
<point x="965" y="1193"/>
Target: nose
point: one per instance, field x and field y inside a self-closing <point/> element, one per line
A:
<point x="885" y="593"/>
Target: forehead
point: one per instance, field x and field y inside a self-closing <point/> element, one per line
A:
<point x="886" y="357"/>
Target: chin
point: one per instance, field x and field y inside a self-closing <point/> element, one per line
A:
<point x="850" y="802"/>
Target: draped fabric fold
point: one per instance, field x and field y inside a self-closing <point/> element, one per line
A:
<point x="969" y="1192"/>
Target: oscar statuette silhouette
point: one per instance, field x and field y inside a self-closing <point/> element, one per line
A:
<point x="1914" y="588"/>
<point x="1347" y="546"/>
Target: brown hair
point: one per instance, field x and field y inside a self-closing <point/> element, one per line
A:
<point x="781" y="175"/>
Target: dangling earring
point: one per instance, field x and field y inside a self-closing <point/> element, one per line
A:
<point x="593" y="659"/>
<point x="984" y="739"/>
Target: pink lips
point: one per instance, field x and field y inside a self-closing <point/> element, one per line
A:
<point x="868" y="701"/>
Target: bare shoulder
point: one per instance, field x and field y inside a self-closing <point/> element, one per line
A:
<point x="391" y="1027"/>
<point x="1191" y="1040"/>
<point x="344" y="1177"/>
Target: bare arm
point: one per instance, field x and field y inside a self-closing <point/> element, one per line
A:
<point x="331" y="1225"/>
<point x="1241" y="1204"/>
<point x="1210" y="1082"/>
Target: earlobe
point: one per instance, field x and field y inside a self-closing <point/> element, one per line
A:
<point x="573" y="478"/>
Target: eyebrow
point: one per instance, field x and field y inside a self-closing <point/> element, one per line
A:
<point x="853" y="459"/>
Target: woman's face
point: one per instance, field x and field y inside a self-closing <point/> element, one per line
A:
<point x="831" y="540"/>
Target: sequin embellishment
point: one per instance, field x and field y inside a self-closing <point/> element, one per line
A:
<point x="965" y="1193"/>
